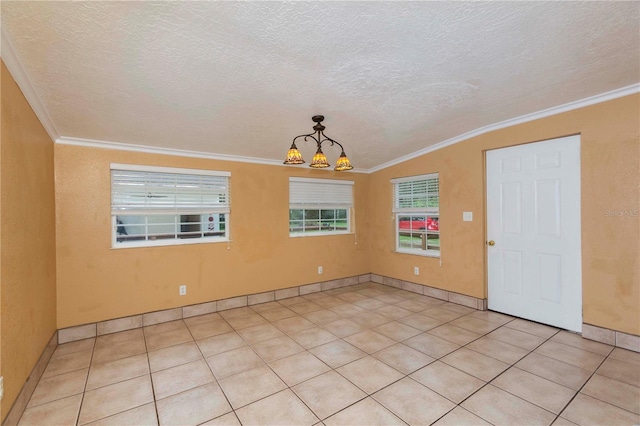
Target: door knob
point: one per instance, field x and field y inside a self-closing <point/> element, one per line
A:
<point x="491" y="243"/>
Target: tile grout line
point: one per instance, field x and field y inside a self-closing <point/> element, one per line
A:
<point x="86" y="382"/>
<point x="576" y="391"/>
<point x="587" y="381"/>
<point x="153" y="390"/>
<point x="486" y="383"/>
<point x="405" y="375"/>
<point x="409" y="374"/>
<point x="513" y="366"/>
<point x="321" y="325"/>
<point x="212" y="373"/>
<point x="439" y="359"/>
<point x="124" y="380"/>
<point x="331" y="369"/>
<point x="274" y="372"/>
<point x="144" y="338"/>
<point x="459" y="404"/>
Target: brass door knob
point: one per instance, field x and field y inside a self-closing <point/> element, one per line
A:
<point x="491" y="243"/>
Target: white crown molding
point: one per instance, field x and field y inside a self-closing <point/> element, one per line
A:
<point x="592" y="100"/>
<point x="92" y="143"/>
<point x="11" y="60"/>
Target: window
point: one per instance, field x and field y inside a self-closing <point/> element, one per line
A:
<point x="319" y="206"/>
<point x="416" y="202"/>
<point x="164" y="206"/>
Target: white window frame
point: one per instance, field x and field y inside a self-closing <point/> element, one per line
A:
<point x="425" y="212"/>
<point x="122" y="206"/>
<point x="321" y="194"/>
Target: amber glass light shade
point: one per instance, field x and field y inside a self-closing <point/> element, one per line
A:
<point x="294" y="156"/>
<point x="343" y="163"/>
<point x="319" y="160"/>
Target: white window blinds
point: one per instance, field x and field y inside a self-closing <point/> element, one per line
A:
<point x="416" y="194"/>
<point x="320" y="193"/>
<point x="150" y="190"/>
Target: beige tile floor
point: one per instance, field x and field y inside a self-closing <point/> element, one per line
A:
<point x="361" y="355"/>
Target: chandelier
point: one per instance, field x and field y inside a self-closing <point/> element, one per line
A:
<point x="319" y="160"/>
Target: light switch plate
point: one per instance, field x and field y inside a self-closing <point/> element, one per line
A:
<point x="467" y="216"/>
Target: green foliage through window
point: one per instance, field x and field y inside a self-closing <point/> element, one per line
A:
<point x="303" y="221"/>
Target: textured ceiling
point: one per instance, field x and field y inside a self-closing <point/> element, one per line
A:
<point x="244" y="78"/>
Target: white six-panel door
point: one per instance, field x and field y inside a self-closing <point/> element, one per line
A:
<point x="533" y="232"/>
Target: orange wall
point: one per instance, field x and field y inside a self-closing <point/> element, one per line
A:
<point x="28" y="292"/>
<point x="610" y="167"/>
<point x="97" y="283"/>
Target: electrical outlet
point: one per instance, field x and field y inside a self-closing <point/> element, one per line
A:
<point x="416" y="270"/>
<point x="319" y="270"/>
<point x="183" y="290"/>
<point x="467" y="216"/>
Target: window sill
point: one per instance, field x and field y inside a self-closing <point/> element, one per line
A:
<point x="433" y="254"/>
<point x="167" y="242"/>
<point x="319" y="234"/>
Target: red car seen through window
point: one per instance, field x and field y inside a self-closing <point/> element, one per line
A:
<point x="419" y="222"/>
